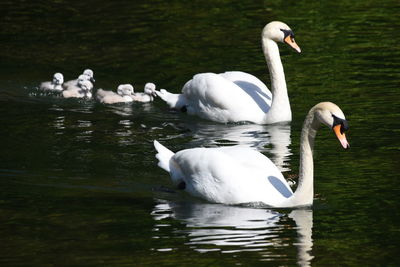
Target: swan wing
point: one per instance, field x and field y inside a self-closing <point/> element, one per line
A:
<point x="249" y="83"/>
<point x="231" y="175"/>
<point x="215" y="97"/>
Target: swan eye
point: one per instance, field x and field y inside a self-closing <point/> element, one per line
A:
<point x="288" y="33"/>
<point x="344" y="126"/>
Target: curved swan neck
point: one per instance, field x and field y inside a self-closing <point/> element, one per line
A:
<point x="305" y="190"/>
<point x="280" y="105"/>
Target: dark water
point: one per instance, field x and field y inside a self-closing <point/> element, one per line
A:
<point x="79" y="182"/>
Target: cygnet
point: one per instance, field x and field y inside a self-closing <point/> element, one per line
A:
<point x="124" y="95"/>
<point x="88" y="74"/>
<point x="148" y="95"/>
<point x="55" y="84"/>
<point x="83" y="90"/>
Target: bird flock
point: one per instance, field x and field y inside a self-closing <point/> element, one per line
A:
<point x="82" y="87"/>
<point x="230" y="175"/>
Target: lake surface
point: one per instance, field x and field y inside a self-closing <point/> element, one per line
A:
<point x="79" y="181"/>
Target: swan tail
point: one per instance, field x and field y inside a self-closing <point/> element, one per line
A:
<point x="163" y="155"/>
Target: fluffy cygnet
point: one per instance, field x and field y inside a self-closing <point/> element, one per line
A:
<point x="148" y="95"/>
<point x="124" y="94"/>
<point x="81" y="78"/>
<point x="55" y="84"/>
<point x="83" y="90"/>
<point x="88" y="74"/>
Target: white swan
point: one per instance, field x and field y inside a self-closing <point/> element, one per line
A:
<point x="83" y="90"/>
<point x="124" y="94"/>
<point x="55" y="84"/>
<point x="148" y="95"/>
<point x="234" y="175"/>
<point x="89" y="76"/>
<point x="238" y="96"/>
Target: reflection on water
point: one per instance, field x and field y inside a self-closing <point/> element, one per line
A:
<point x="233" y="229"/>
<point x="273" y="139"/>
<point x="123" y="110"/>
<point x="124" y="134"/>
<point x="304" y="222"/>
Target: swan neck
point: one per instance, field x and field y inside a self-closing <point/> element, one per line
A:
<point x="305" y="190"/>
<point x="280" y="105"/>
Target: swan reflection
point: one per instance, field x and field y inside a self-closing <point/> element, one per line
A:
<point x="232" y="229"/>
<point x="272" y="139"/>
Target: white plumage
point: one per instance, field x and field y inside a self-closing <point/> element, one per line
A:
<point x="147" y="95"/>
<point x="55" y="84"/>
<point x="83" y="90"/>
<point x="238" y="96"/>
<point x="235" y="175"/>
<point x="124" y="94"/>
<point x="87" y="75"/>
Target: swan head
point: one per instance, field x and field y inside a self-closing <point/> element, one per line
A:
<point x="83" y="77"/>
<point x="89" y="73"/>
<point x="85" y="85"/>
<point x="332" y="116"/>
<point x="125" y="89"/>
<point x="280" y="32"/>
<point x="150" y="89"/>
<point x="58" y="79"/>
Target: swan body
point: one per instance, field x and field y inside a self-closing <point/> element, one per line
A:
<point x="88" y="75"/>
<point x="82" y="90"/>
<point x="238" y="96"/>
<point x="124" y="95"/>
<point x="236" y="175"/>
<point x="55" y="84"/>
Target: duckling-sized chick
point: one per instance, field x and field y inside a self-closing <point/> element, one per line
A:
<point x="124" y="95"/>
<point x="55" y="84"/>
<point x="88" y="74"/>
<point x="148" y="95"/>
<point x="81" y="78"/>
<point x="83" y="90"/>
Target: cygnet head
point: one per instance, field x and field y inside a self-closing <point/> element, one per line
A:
<point x="332" y="116"/>
<point x="280" y="32"/>
<point x="85" y="85"/>
<point x="125" y="89"/>
<point x="150" y="89"/>
<point x="83" y="77"/>
<point x="58" y="79"/>
<point x="89" y="73"/>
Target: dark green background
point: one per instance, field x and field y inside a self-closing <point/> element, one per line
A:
<point x="79" y="184"/>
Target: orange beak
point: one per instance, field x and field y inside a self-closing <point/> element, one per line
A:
<point x="290" y="41"/>
<point x="341" y="136"/>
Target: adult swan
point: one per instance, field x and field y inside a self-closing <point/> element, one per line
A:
<point x="235" y="175"/>
<point x="238" y="96"/>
